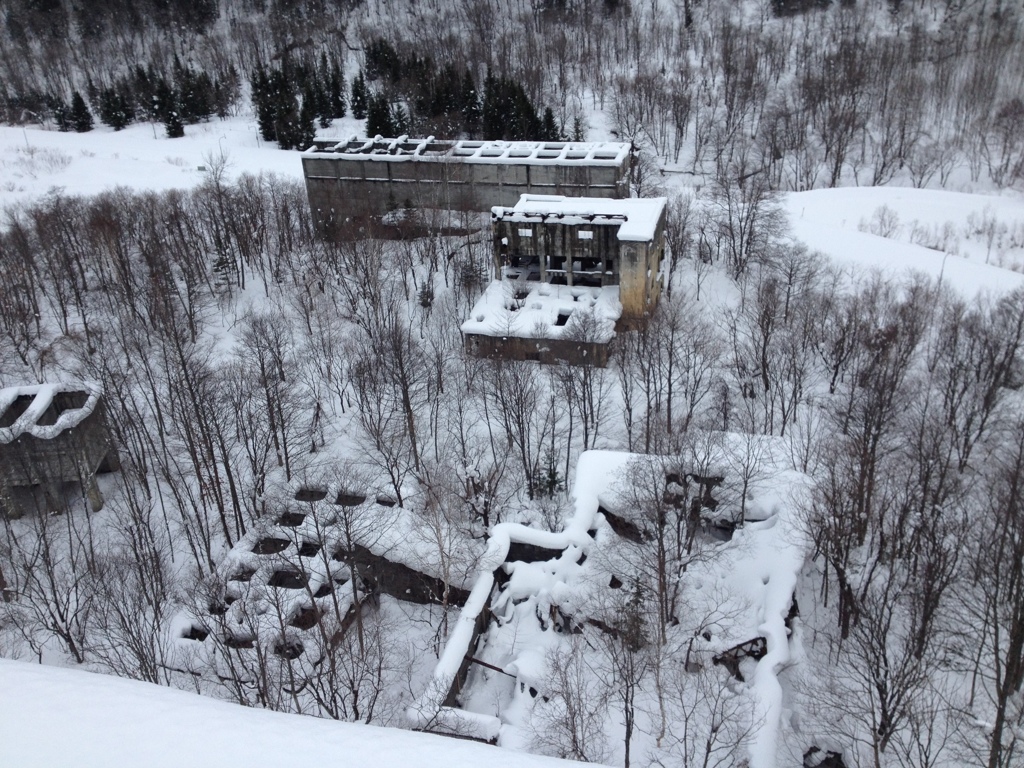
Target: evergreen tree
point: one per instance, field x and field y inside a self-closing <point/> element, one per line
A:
<point x="549" y="130"/>
<point x="263" y="103"/>
<point x="399" y="119"/>
<point x="195" y="93"/>
<point x="62" y="115"/>
<point x="360" y="97"/>
<point x="378" y="117"/>
<point x="305" y="128"/>
<point x="81" y="118"/>
<point x="114" y="110"/>
<point x="471" y="112"/>
<point x="172" y="123"/>
<point x="579" y="133"/>
<point x="508" y="112"/>
<point x="336" y="92"/>
<point x="163" y="100"/>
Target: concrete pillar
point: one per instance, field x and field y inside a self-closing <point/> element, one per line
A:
<point x="92" y="493"/>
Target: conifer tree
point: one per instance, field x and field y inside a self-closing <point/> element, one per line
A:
<point x="360" y="97"/>
<point x="81" y="118"/>
<point x="378" y="117"/>
<point x="114" y="110"/>
<point x="549" y="129"/>
<point x="336" y="91"/>
<point x="62" y="115"/>
<point x="172" y="123"/>
<point x="470" y="106"/>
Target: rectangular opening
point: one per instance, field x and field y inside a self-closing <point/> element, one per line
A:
<point x="585" y="234"/>
<point x="576" y="155"/>
<point x="306" y="618"/>
<point x="62" y="402"/>
<point x="605" y="156"/>
<point x="288" y="580"/>
<point x="558" y="146"/>
<point x="547" y="155"/>
<point x="519" y="153"/>
<point x="310" y="494"/>
<point x="309" y="549"/>
<point x="291" y="519"/>
<point x="348" y="499"/>
<point x="16" y="409"/>
<point x="270" y="546"/>
<point x="525" y="232"/>
<point x="562" y="319"/>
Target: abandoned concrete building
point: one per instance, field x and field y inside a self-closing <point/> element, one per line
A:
<point x="568" y="273"/>
<point x="52" y="436"/>
<point x="371" y="176"/>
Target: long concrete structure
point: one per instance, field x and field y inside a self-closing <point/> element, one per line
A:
<point x="359" y="177"/>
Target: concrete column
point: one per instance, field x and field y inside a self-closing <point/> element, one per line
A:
<point x="92" y="493"/>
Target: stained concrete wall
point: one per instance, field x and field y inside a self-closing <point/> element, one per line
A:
<point x="546" y="351"/>
<point x="634" y="266"/>
<point x="347" y="186"/>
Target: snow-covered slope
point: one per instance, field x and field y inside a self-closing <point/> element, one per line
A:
<point x="973" y="241"/>
<point x="51" y="716"/>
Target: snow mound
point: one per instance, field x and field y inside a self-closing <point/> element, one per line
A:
<point x="52" y="716"/>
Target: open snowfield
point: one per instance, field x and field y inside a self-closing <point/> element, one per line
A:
<point x="974" y="241"/>
<point x="51" y="716"/>
<point x="34" y="161"/>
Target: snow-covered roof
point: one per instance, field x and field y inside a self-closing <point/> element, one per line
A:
<point x="404" y="149"/>
<point x="636" y="217"/>
<point x="42" y="396"/>
<point x="555" y="309"/>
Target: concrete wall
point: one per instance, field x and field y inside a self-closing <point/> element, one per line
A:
<point x="634" y="266"/>
<point x="546" y="351"/>
<point x="341" y="187"/>
<point x="34" y="471"/>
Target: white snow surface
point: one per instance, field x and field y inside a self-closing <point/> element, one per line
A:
<point x="404" y="149"/>
<point x="499" y="313"/>
<point x="56" y="716"/>
<point x="641" y="214"/>
<point x="34" y="161"/>
<point x="42" y="395"/>
<point x="900" y="230"/>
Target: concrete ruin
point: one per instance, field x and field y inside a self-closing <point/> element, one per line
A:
<point x="361" y="177"/>
<point x="52" y="436"/>
<point x="569" y="273"/>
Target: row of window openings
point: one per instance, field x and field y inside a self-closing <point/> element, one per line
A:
<point x="591" y="272"/>
<point x="581" y="234"/>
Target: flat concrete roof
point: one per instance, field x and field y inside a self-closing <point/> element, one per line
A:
<point x="636" y="217"/>
<point x="404" y="149"/>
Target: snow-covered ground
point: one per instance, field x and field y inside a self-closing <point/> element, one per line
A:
<point x="51" y="716"/>
<point x="34" y="161"/>
<point x="973" y="241"/>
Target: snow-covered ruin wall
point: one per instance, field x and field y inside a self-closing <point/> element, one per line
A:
<point x="51" y="434"/>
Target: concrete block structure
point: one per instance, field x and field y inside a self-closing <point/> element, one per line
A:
<point x="570" y="272"/>
<point x="360" y="177"/>
<point x="52" y="435"/>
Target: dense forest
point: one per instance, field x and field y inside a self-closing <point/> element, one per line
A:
<point x="239" y="353"/>
<point x="813" y="94"/>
